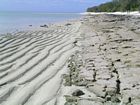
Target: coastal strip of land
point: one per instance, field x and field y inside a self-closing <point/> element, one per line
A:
<point x="91" y="61"/>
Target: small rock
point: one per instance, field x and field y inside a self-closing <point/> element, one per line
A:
<point x="96" y="89"/>
<point x="111" y="91"/>
<point x="118" y="60"/>
<point x="115" y="99"/>
<point x="44" y="26"/>
<point x="108" y="98"/>
<point x="71" y="99"/>
<point x="67" y="24"/>
<point x="78" y="93"/>
<point x="82" y="83"/>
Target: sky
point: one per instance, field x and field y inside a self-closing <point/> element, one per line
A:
<point x="49" y="5"/>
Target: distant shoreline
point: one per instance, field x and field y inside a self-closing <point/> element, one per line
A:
<point x="114" y="13"/>
<point x="36" y="26"/>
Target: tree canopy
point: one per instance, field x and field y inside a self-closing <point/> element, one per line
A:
<point x="117" y="5"/>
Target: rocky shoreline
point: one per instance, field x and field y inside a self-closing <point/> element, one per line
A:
<point x="106" y="70"/>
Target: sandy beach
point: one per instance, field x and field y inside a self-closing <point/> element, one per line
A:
<point x="91" y="61"/>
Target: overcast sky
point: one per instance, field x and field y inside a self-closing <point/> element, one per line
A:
<point x="49" y="5"/>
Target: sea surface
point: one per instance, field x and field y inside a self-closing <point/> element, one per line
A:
<point x="17" y="21"/>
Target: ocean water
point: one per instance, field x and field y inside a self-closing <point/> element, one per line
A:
<point x="13" y="21"/>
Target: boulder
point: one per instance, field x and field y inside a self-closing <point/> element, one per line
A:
<point x="78" y="93"/>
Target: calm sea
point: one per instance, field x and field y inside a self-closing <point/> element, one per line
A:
<point x="12" y="21"/>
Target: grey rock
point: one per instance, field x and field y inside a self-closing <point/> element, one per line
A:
<point x="68" y="24"/>
<point x="108" y="98"/>
<point x="78" y="93"/>
<point x="46" y="26"/>
<point x="71" y="98"/>
<point x="96" y="89"/>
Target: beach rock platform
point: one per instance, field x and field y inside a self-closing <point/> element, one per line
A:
<point x="107" y="69"/>
<point x="91" y="61"/>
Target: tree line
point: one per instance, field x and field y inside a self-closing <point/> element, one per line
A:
<point x="117" y="5"/>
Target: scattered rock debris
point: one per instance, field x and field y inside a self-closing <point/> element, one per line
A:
<point x="108" y="64"/>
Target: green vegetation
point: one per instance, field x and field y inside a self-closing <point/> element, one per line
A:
<point x="117" y="5"/>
